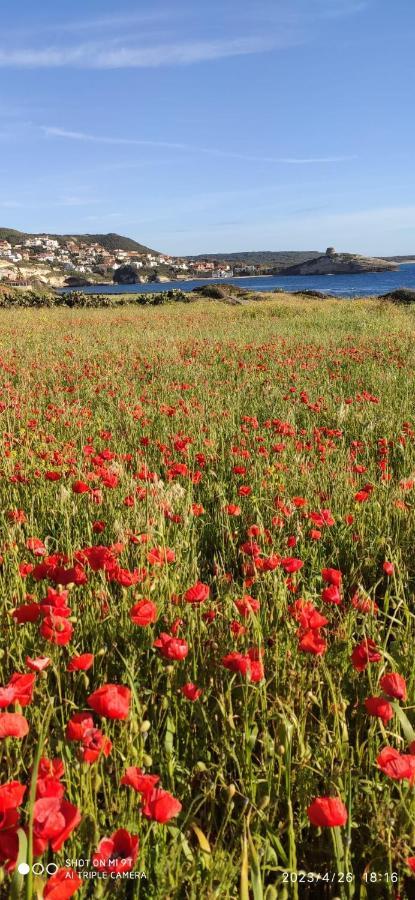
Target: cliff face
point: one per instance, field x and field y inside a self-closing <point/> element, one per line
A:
<point x="44" y="274"/>
<point x="340" y="264"/>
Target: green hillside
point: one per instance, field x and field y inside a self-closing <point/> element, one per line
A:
<point x="108" y="241"/>
<point x="280" y="258"/>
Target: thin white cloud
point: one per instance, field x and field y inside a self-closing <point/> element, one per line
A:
<point x="110" y="56"/>
<point x="50" y="131"/>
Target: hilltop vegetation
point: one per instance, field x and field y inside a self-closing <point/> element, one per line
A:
<point x="272" y="258"/>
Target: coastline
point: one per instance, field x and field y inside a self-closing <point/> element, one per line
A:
<point x="352" y="285"/>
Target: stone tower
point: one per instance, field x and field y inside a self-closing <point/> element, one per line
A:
<point x="330" y="251"/>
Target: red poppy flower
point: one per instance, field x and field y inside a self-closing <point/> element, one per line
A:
<point x="38" y="664"/>
<point x="11" y="796"/>
<point x="143" y="613"/>
<point x="291" y="565"/>
<point x="94" y="743"/>
<point x="55" y="603"/>
<point x="160" y="806"/>
<point x="54" y="820"/>
<point x="327" y="812"/>
<point x="7" y="697"/>
<point x="198" y="593"/>
<point x="247" y="605"/>
<point x="98" y="527"/>
<point x="160" y="556"/>
<point x="388" y="568"/>
<point x="247" y="664"/>
<point x="237" y="629"/>
<point x="111" y="701"/>
<point x="98" y="557"/>
<point x="25" y="569"/>
<point x="312" y="642"/>
<point x="125" y="577"/>
<point x="364" y="604"/>
<point x="364" y="653"/>
<point x="26" y="612"/>
<point x="13" y="725"/>
<point x="307" y="616"/>
<point x="56" y="630"/>
<point x="48" y="780"/>
<point x="142" y="783"/>
<point x="269" y="563"/>
<point x="332" y="576"/>
<point x="117" y="853"/>
<point x="18" y="690"/>
<point x="53" y="767"/>
<point x="398" y="766"/>
<point x="134" y="777"/>
<point x="81" y="663"/>
<point x="9" y="849"/>
<point x="191" y="692"/>
<point x="331" y="594"/>
<point x="62" y="885"/>
<point x="378" y="706"/>
<point x="78" y="725"/>
<point x="322" y="518"/>
<point x="394" y="685"/>
<point x="251" y="548"/>
<point x="17" y="515"/>
<point x="80" y="487"/>
<point x="36" y="546"/>
<point x="171" y="647"/>
<point x="233" y="509"/>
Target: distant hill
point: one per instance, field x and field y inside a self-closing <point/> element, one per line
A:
<point x="273" y="258"/>
<point x="408" y="258"/>
<point x="108" y="241"/>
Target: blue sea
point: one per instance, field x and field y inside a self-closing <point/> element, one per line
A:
<point x="364" y="285"/>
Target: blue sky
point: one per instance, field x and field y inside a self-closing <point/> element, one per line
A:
<point x="211" y="126"/>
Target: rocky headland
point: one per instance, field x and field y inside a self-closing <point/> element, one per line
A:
<point x="333" y="263"/>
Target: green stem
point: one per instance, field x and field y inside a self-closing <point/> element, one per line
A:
<point x="32" y="799"/>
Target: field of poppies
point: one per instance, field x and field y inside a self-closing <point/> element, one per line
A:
<point x="207" y="602"/>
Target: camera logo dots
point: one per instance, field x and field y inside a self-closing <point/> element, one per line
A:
<point x="37" y="868"/>
<point x="23" y="868"/>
